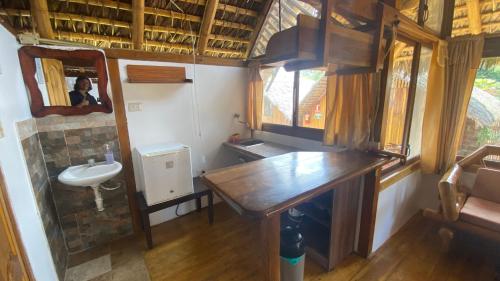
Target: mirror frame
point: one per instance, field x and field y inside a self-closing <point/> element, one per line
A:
<point x="27" y="55"/>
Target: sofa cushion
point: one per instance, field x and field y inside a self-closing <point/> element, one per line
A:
<point x="481" y="213"/>
<point x="487" y="185"/>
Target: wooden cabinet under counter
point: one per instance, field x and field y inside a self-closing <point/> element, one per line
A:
<point x="326" y="186"/>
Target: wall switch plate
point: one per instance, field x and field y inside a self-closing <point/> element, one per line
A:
<point x="134" y="106"/>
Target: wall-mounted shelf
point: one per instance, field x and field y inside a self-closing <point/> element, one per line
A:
<point x="156" y="74"/>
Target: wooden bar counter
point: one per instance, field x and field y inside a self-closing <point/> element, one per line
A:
<point x="264" y="189"/>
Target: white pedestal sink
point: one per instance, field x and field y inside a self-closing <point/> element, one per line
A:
<point x="90" y="175"/>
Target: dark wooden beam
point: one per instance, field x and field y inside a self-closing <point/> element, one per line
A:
<point x="447" y="24"/>
<point x="206" y="25"/>
<point x="155" y="56"/>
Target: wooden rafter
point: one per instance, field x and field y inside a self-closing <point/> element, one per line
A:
<point x="206" y="25"/>
<point x="121" y="24"/>
<point x="474" y="15"/>
<point x="127" y="7"/>
<point x="41" y="18"/>
<point x="72" y="36"/>
<point x="463" y="30"/>
<point x="169" y="13"/>
<point x="258" y="27"/>
<point x="138" y="23"/>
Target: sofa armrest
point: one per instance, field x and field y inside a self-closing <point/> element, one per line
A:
<point x="451" y="199"/>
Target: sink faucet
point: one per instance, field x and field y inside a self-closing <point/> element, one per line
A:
<point x="91" y="162"/>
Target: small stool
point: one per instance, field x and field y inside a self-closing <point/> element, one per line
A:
<point x="199" y="191"/>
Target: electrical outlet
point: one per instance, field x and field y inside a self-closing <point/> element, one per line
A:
<point x="134" y="106"/>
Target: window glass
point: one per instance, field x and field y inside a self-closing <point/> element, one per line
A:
<point x="415" y="141"/>
<point x="278" y="96"/>
<point x="433" y="16"/>
<point x="312" y="99"/>
<point x="398" y="97"/>
<point x="482" y="125"/>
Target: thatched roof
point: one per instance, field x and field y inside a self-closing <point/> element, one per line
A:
<point x="463" y="16"/>
<point x="219" y="28"/>
<point x="172" y="26"/>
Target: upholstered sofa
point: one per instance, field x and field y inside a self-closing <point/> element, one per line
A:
<point x="470" y="197"/>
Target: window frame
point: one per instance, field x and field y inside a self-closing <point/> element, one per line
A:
<point x="295" y="130"/>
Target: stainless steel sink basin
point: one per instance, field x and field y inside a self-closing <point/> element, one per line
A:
<point x="251" y="142"/>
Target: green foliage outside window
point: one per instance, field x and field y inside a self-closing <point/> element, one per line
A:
<point x="487" y="135"/>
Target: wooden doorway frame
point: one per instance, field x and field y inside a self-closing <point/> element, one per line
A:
<point x="124" y="140"/>
<point x="16" y="245"/>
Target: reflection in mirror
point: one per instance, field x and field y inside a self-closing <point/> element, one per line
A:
<point x="67" y="83"/>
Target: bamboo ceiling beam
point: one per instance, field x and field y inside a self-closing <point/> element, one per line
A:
<point x="72" y="36"/>
<point x="169" y="57"/>
<point x="138" y="23"/>
<point x="474" y="15"/>
<point x="463" y="30"/>
<point x="237" y="10"/>
<point x="121" y="24"/>
<point x="41" y="19"/>
<point x="206" y="25"/>
<point x="484" y="17"/>
<point x="260" y="22"/>
<point x="489" y="5"/>
<point x="161" y="13"/>
<point x="127" y="7"/>
<point x="168" y="13"/>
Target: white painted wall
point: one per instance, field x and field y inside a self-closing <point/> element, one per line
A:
<point x="14" y="107"/>
<point x="199" y="115"/>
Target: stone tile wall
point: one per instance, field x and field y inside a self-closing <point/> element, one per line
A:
<point x="40" y="182"/>
<point x="72" y="141"/>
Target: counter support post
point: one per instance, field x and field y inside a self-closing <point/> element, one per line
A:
<point x="270" y="248"/>
<point x="368" y="212"/>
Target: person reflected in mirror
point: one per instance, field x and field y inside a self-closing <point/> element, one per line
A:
<point x="80" y="95"/>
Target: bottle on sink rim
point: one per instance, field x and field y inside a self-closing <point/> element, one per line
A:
<point x="108" y="154"/>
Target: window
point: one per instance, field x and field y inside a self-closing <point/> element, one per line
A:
<point x="405" y="104"/>
<point x="312" y="98"/>
<point x="278" y="96"/>
<point x="482" y="125"/>
<point x="294" y="102"/>
<point x="397" y="105"/>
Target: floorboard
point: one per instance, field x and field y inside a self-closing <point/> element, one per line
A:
<point x="189" y="249"/>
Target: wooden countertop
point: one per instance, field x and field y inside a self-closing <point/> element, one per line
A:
<point x="260" y="151"/>
<point x="269" y="186"/>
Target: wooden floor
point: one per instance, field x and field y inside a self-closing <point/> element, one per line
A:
<point x="189" y="249"/>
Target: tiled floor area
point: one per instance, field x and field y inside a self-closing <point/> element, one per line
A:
<point x="126" y="258"/>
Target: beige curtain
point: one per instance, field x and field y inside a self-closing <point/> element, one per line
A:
<point x="255" y="98"/>
<point x="464" y="57"/>
<point x="351" y="102"/>
<point x="433" y="106"/>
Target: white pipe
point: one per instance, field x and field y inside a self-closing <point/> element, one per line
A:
<point x="98" y="198"/>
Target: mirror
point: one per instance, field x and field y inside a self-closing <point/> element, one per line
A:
<point x="65" y="82"/>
